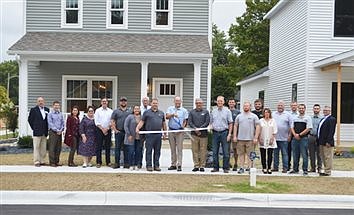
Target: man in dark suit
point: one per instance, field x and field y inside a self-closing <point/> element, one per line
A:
<point x="38" y="121"/>
<point x="325" y="134"/>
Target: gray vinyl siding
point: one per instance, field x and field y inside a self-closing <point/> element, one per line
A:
<point x="46" y="79"/>
<point x="189" y="16"/>
<point x="184" y="71"/>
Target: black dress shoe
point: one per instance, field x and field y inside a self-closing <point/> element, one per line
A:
<point x="324" y="174"/>
<point x="179" y="168"/>
<point x="157" y="169"/>
<point x="202" y="169"/>
<point x="195" y="169"/>
<point x="172" y="168"/>
<point x="115" y="166"/>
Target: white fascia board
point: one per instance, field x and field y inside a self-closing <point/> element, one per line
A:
<point x="276" y="9"/>
<point x="263" y="75"/>
<point x="111" y="54"/>
<point x="342" y="57"/>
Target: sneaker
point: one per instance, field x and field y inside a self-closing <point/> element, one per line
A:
<point x="179" y="168"/>
<point x="294" y="172"/>
<point x="126" y="166"/>
<point x="172" y="168"/>
<point x="195" y="169"/>
<point x="202" y="169"/>
<point x="215" y="170"/>
<point x="269" y="171"/>
<point x="84" y="165"/>
<point x="37" y="165"/>
<point x="284" y="171"/>
<point x="226" y="171"/>
<point x="98" y="165"/>
<point x="305" y="173"/>
<point x="131" y="168"/>
<point x="149" y="169"/>
<point x="241" y="170"/>
<point x="248" y="169"/>
<point x="157" y="169"/>
<point x="275" y="170"/>
<point x="264" y="171"/>
<point x="234" y="169"/>
<point x="90" y="165"/>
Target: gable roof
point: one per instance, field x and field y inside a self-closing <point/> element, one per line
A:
<point x="259" y="74"/>
<point x="110" y="43"/>
<point x="276" y="9"/>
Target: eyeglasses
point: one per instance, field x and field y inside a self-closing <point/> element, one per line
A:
<point x="90" y="111"/>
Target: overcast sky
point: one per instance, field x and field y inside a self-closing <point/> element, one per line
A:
<point x="11" y="20"/>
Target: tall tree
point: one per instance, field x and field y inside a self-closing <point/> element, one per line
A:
<point x="250" y="38"/>
<point x="10" y="69"/>
<point x="220" y="49"/>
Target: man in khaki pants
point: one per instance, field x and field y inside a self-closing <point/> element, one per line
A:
<point x="325" y="134"/>
<point x="177" y="120"/>
<point x="38" y="121"/>
<point x="199" y="118"/>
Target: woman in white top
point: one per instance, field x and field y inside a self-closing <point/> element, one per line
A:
<point x="267" y="141"/>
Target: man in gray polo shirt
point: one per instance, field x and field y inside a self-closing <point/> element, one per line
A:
<point x="314" y="148"/>
<point x="154" y="120"/>
<point x="118" y="118"/>
<point x="221" y="123"/>
<point x="246" y="132"/>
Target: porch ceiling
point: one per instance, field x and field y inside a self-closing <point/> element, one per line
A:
<point x="110" y="44"/>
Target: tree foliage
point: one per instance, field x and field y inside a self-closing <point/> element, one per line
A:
<point x="250" y="37"/>
<point x="10" y="67"/>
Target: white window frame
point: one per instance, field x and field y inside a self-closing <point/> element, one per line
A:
<point x="170" y="16"/>
<point x="63" y="15"/>
<point x="109" y="24"/>
<point x="167" y="81"/>
<point x="89" y="80"/>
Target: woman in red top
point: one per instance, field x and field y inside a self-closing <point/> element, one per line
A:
<point x="72" y="134"/>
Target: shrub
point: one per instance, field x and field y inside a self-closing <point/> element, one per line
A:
<point x="352" y="150"/>
<point x="25" y="142"/>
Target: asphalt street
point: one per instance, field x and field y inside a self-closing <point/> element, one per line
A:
<point x="153" y="210"/>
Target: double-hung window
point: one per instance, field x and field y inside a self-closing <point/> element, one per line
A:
<point x="162" y="14"/>
<point x="71" y="13"/>
<point x="88" y="90"/>
<point x="117" y="14"/>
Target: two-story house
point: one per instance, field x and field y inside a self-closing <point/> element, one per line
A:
<point x="77" y="51"/>
<point x="311" y="60"/>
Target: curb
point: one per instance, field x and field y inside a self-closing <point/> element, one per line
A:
<point x="176" y="199"/>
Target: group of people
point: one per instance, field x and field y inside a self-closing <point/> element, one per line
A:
<point x="294" y="134"/>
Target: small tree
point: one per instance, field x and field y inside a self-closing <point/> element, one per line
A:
<point x="9" y="114"/>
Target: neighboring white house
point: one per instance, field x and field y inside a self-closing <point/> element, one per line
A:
<point x="311" y="59"/>
<point x="78" y="51"/>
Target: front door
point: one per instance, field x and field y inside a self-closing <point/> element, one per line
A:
<point x="165" y="89"/>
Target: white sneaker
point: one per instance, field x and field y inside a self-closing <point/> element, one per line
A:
<point x="90" y="165"/>
<point x="84" y="165"/>
<point x="131" y="168"/>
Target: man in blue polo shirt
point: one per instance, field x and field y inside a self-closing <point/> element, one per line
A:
<point x="177" y="120"/>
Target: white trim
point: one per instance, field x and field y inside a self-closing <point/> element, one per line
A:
<point x="110" y="54"/>
<point x="24" y="16"/>
<point x="23" y="97"/>
<point x="109" y="17"/>
<point x="63" y="15"/>
<point x="180" y="80"/>
<point x="276" y="9"/>
<point x="144" y="79"/>
<point x="210" y="24"/>
<point x="208" y="102"/>
<point x="170" y="16"/>
<point x="89" y="80"/>
<point x="263" y="75"/>
<point x="197" y="72"/>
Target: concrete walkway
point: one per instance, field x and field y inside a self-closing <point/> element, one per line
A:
<point x="164" y="161"/>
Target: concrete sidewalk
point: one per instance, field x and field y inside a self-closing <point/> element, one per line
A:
<point x="177" y="199"/>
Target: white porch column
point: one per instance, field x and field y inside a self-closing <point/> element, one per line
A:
<point x="209" y="86"/>
<point x="23" y="97"/>
<point x="144" y="78"/>
<point x="196" y="94"/>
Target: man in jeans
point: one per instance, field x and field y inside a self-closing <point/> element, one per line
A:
<point x="56" y="128"/>
<point x="234" y="112"/>
<point x="283" y="120"/>
<point x="177" y="120"/>
<point x="300" y="128"/>
<point x="221" y="123"/>
<point x="117" y="121"/>
<point x="199" y="118"/>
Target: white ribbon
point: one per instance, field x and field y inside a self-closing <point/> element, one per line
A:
<point x="174" y="131"/>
